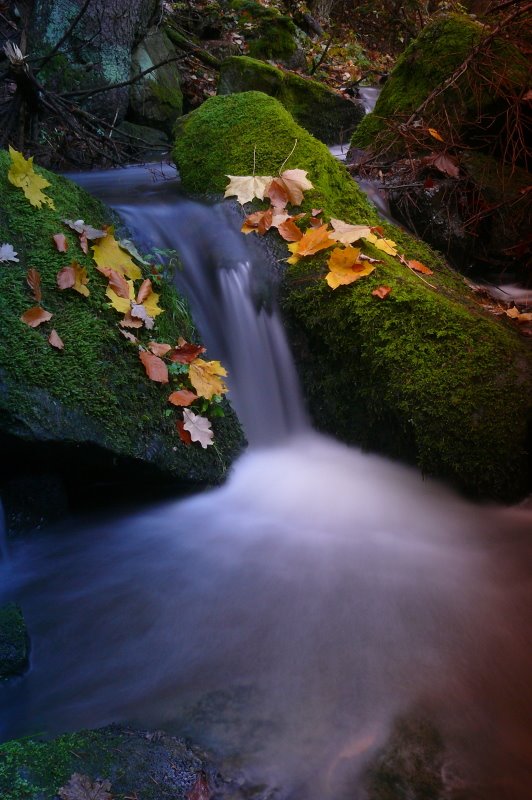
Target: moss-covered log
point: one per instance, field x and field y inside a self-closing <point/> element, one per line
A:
<point x="425" y="375"/>
<point x="95" y="391"/>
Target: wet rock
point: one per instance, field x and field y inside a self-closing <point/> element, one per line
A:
<point x="156" y="99"/>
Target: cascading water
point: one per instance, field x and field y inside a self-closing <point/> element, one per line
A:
<point x="284" y="619"/>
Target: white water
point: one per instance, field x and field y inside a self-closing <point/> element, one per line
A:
<point x="287" y="617"/>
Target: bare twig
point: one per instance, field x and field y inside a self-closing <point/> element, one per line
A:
<point x="84" y="93"/>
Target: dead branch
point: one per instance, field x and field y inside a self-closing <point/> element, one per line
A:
<point x="84" y="93"/>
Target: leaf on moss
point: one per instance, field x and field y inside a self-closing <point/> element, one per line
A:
<point x="182" y="398"/>
<point x="35" y="316"/>
<point x="345" y="267"/>
<point x="348" y="234"/>
<point x="156" y="369"/>
<point x="205" y="377"/>
<point x="7" y="253"/>
<point x="33" y="279"/>
<point x="199" y="428"/>
<point x="130" y="322"/>
<point x="108" y="253"/>
<point x="73" y="277"/>
<point x="60" y="242"/>
<point x="289" y="231"/>
<point x="22" y="175"/>
<point x="314" y="240"/>
<point x="81" y="787"/>
<point x="186" y="352"/>
<point x="246" y="187"/>
<point x="417" y="266"/>
<point x="159" y="349"/>
<point x="55" y="340"/>
<point x="129" y="336"/>
<point x="382" y="292"/>
<point x="117" y="282"/>
<point x="118" y="302"/>
<point x="386" y="245"/>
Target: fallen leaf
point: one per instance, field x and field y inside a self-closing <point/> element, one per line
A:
<point x="200" y="790"/>
<point x="129" y="336"/>
<point x="22" y="174"/>
<point x="127" y="244"/>
<point x="364" y="257"/>
<point x="185" y="352"/>
<point x="295" y="182"/>
<point x="55" y="340"/>
<point x="434" y="133"/>
<point x="117" y="282"/>
<point x="444" y="164"/>
<point x="346" y="233"/>
<point x="81" y="787"/>
<point x="521" y="317"/>
<point x="33" y="279"/>
<point x="205" y="377"/>
<point x="88" y="231"/>
<point x="200" y="431"/>
<point x="73" y="277"/>
<point x="60" y="242"/>
<point x="314" y="240"/>
<point x="316" y="212"/>
<point x="159" y="349"/>
<point x="118" y="302"/>
<point x="345" y="268"/>
<point x="129" y="322"/>
<point x="156" y="369"/>
<point x="277" y="193"/>
<point x="144" y="291"/>
<point x="382" y="291"/>
<point x="417" y="266"/>
<point x="108" y="253"/>
<point x="7" y="253"/>
<point x="247" y="187"/>
<point x="35" y="316"/>
<point x="138" y="311"/>
<point x="182" y="398"/>
<point x="289" y="231"/>
<point x="387" y="246"/>
<point x="260" y="221"/>
<point x="186" y="438"/>
<point x="279" y="216"/>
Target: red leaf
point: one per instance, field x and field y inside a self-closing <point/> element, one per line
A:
<point x="182" y="398"/>
<point x="156" y="369"/>
<point x="185" y="352"/>
<point x="185" y="436"/>
<point x="200" y="790"/>
<point x="34" y="282"/>
<point x="316" y="222"/>
<point x="66" y="278"/>
<point x="35" y="316"/>
<point x="378" y="230"/>
<point x="117" y="282"/>
<point x="289" y="231"/>
<point x="55" y="340"/>
<point x="419" y="267"/>
<point x="144" y="291"/>
<point x="277" y="193"/>
<point x="60" y="242"/>
<point x="382" y="291"/>
<point x="159" y="349"/>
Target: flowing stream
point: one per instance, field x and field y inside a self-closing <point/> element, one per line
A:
<point x="285" y="619"/>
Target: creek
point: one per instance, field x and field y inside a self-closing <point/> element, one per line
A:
<point x="285" y="619"/>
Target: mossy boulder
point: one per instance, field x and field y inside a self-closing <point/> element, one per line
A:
<point x="156" y="99"/>
<point x="425" y="375"/>
<point x="90" y="404"/>
<point x="269" y="34"/>
<point x="432" y="58"/>
<point x="322" y="112"/>
<point x="144" y="764"/>
<point x="13" y="642"/>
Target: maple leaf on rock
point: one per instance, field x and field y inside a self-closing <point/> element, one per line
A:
<point x="312" y="241"/>
<point x="22" y="175"/>
<point x="289" y="231"/>
<point x="108" y="253"/>
<point x="81" y="787"/>
<point x="35" y="316"/>
<point x="348" y="234"/>
<point x="345" y="267"/>
<point x="205" y="377"/>
<point x="247" y="187"/>
<point x="260" y="221"/>
<point x="7" y="253"/>
<point x="33" y="279"/>
<point x="199" y="428"/>
<point x="156" y="369"/>
<point x="182" y="398"/>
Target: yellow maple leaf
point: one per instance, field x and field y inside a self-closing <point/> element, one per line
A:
<point x="121" y="304"/>
<point x="205" y="378"/>
<point x="108" y="253"/>
<point x="387" y="246"/>
<point x="82" y="279"/>
<point x="247" y="187"/>
<point x="345" y="267"/>
<point x="346" y="233"/>
<point x="22" y="175"/>
<point x="152" y="306"/>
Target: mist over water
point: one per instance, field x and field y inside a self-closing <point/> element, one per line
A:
<point x="285" y="619"/>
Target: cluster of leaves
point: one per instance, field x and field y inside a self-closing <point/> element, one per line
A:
<point x="196" y="382"/>
<point x="82" y="787"/>
<point x="346" y="263"/>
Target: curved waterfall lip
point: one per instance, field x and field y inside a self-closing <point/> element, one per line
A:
<point x="286" y="618"/>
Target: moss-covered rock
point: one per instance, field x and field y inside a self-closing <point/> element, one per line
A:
<point x="318" y="109"/>
<point x="13" y="641"/>
<point x="156" y="99"/>
<point x="433" y="57"/>
<point x="151" y="766"/>
<point x="269" y="34"/>
<point x="94" y="392"/>
<point x="425" y="375"/>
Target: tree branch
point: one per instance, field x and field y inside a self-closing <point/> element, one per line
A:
<point x="84" y="93"/>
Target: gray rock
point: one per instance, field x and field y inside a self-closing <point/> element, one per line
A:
<point x="156" y="99"/>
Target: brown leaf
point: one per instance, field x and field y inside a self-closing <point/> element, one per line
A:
<point x="200" y="790"/>
<point x="419" y="267"/>
<point x="129" y="336"/>
<point x="117" y="282"/>
<point x="313" y="240"/>
<point x="434" y="133"/>
<point x="66" y="278"/>
<point x="84" y="242"/>
<point x="295" y="181"/>
<point x="277" y="193"/>
<point x="34" y="282"/>
<point x="144" y="291"/>
<point x="81" y="787"/>
<point x="182" y="398"/>
<point x="185" y="352"/>
<point x="315" y="222"/>
<point x="185" y="436"/>
<point x="159" y="349"/>
<point x="129" y="322"/>
<point x="35" y="316"/>
<point x="260" y="221"/>
<point x="444" y="164"/>
<point x="55" y="340"/>
<point x="156" y="369"/>
<point x="60" y="242"/>
<point x="382" y="291"/>
<point x="289" y="231"/>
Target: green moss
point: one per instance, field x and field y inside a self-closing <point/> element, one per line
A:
<point x="95" y="390"/>
<point x="424" y="375"/>
<point x="13" y="641"/>
<point x="272" y="35"/>
<point x="431" y="58"/>
<point x="314" y="106"/>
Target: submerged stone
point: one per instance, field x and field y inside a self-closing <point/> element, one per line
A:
<point x="426" y="375"/>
